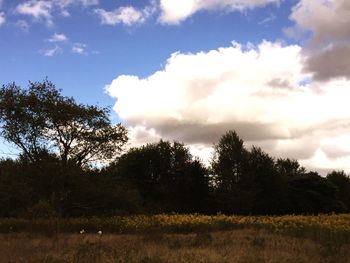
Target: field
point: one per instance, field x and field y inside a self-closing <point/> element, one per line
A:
<point x="178" y="238"/>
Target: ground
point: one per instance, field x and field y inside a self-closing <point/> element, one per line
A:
<point x="241" y="245"/>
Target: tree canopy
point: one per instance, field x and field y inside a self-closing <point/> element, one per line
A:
<point x="59" y="138"/>
<point x="40" y="120"/>
<point x="166" y="175"/>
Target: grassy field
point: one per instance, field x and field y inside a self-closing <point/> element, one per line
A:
<point x="178" y="238"/>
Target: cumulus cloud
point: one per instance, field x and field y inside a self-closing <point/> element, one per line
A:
<point x="65" y="13"/>
<point x="57" y="38"/>
<point x="270" y="102"/>
<point x="51" y="52"/>
<point x="42" y="10"/>
<point x="2" y="18"/>
<point x="127" y="15"/>
<point x="84" y="3"/>
<point x="173" y="12"/>
<point x="79" y="48"/>
<point x="22" y="25"/>
<point x="89" y="2"/>
<point x="328" y="22"/>
<point x="270" y="18"/>
<point x="39" y="10"/>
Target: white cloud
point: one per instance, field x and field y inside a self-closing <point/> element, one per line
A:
<point x="39" y="10"/>
<point x="22" y="25"/>
<point x="84" y="3"/>
<point x="173" y="12"/>
<point x="51" y="52"/>
<point x="268" y="101"/>
<point x="89" y="2"/>
<point x="65" y="13"/>
<point x="79" y="48"/>
<point x="57" y="38"/>
<point x="127" y="15"/>
<point x="43" y="10"/>
<point x="63" y="5"/>
<point x="328" y="21"/>
<point x="270" y="18"/>
<point x="2" y="18"/>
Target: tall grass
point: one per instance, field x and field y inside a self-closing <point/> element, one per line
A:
<point x="206" y="238"/>
<point x="243" y="246"/>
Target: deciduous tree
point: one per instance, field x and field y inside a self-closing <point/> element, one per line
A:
<point x="40" y="120"/>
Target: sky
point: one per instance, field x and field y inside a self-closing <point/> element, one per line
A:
<point x="276" y="71"/>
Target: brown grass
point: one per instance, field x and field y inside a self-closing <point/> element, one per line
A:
<point x="244" y="246"/>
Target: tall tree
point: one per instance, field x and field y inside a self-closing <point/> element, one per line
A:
<point x="289" y="167"/>
<point x="311" y="193"/>
<point x="166" y="176"/>
<point x="228" y="166"/>
<point x="40" y="119"/>
<point x="263" y="182"/>
<point x="228" y="161"/>
<point x="342" y="182"/>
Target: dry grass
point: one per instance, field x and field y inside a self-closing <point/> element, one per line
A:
<point x="243" y="245"/>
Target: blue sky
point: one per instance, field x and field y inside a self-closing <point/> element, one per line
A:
<point x="137" y="49"/>
<point x="265" y="67"/>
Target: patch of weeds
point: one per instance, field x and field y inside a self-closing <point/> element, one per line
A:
<point x="297" y="259"/>
<point x="151" y="259"/>
<point x="202" y="239"/>
<point x="88" y="252"/>
<point x="153" y="237"/>
<point x="331" y="245"/>
<point x="258" y="242"/>
<point x="124" y="255"/>
<point x="330" y="248"/>
<point x="175" y="243"/>
<point x="51" y="259"/>
<point x="251" y="259"/>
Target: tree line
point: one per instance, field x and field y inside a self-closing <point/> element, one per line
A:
<point x="60" y="142"/>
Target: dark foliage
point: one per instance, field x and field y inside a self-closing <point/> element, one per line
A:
<point x="163" y="177"/>
<point x="251" y="182"/>
<point x="166" y="176"/>
<point x="58" y="138"/>
<point x="66" y="189"/>
<point x="40" y="120"/>
<point x="342" y="183"/>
